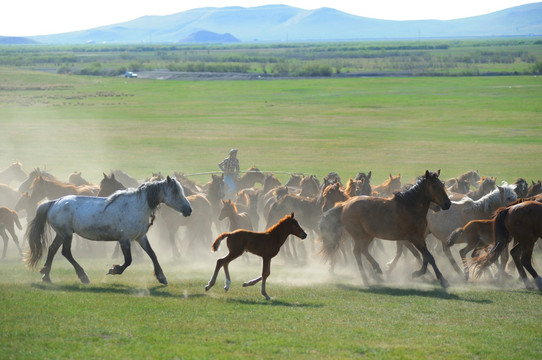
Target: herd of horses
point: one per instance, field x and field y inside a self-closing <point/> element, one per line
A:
<point x="259" y="219"/>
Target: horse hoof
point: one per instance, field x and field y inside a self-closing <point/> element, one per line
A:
<point x="46" y="278"/>
<point x="162" y="281"/>
<point x="207" y="288"/>
<point x="444" y="283"/>
<point x="84" y="279"/>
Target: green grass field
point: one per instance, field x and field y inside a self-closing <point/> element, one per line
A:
<point x="387" y="125"/>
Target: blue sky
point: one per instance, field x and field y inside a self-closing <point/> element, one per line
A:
<point x="38" y="17"/>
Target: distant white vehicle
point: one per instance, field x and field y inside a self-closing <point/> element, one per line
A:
<point x="130" y="74"/>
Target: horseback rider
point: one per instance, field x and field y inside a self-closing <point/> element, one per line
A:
<point x="230" y="167"/>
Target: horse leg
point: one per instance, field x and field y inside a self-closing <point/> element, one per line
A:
<point x="53" y="248"/>
<point x="5" y="238"/>
<point x="372" y="261"/>
<point x="450" y="257"/>
<point x="463" y="253"/>
<point x="220" y="263"/>
<point x="398" y="252"/>
<point x="146" y="246"/>
<point x="526" y="261"/>
<point x="266" y="271"/>
<point x="428" y="258"/>
<point x="16" y="240"/>
<point x="67" y="252"/>
<point x="125" y="247"/>
<point x="357" y="254"/>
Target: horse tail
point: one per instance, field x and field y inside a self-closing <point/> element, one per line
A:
<point x="36" y="235"/>
<point x="331" y="231"/>
<point x="218" y="240"/>
<point x="501" y="239"/>
<point x="454" y="236"/>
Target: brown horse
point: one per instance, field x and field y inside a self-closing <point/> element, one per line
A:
<point x="523" y="222"/>
<point x="388" y="187"/>
<point x="237" y="220"/>
<point x="265" y="244"/>
<point x="252" y="176"/>
<point x="332" y="195"/>
<point x="402" y="217"/>
<point x="44" y="188"/>
<point x="477" y="234"/>
<point x="109" y="185"/>
<point x="471" y="177"/>
<point x="9" y="218"/>
<point x="534" y="189"/>
<point x="366" y="189"/>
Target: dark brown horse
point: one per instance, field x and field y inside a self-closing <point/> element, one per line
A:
<point x="109" y="185"/>
<point x="402" y="217"/>
<point x="265" y="244"/>
<point x="523" y="223"/>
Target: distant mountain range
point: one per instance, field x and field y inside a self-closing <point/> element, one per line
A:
<point x="281" y="23"/>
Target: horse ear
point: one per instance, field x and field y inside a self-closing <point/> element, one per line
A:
<point x="438" y="172"/>
<point x="369" y="175"/>
<point x="168" y="179"/>
<point x="426" y="173"/>
<point x="105" y="176"/>
<point x="292" y="215"/>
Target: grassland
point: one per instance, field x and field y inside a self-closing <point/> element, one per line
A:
<point x="313" y="126"/>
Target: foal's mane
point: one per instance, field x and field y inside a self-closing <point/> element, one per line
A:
<point x="279" y="223"/>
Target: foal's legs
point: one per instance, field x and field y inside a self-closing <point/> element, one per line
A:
<point x="67" y="252"/>
<point x="232" y="255"/>
<point x="146" y="246"/>
<point x="266" y="271"/>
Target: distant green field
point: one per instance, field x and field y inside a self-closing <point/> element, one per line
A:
<point x="387" y="125"/>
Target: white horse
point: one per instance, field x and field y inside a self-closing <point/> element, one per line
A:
<point x="124" y="216"/>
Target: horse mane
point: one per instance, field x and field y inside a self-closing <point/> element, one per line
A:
<point x="489" y="201"/>
<point x="152" y="190"/>
<point x="412" y="194"/>
<point x="279" y="223"/>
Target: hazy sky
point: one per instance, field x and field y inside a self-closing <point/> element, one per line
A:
<point x="43" y="17"/>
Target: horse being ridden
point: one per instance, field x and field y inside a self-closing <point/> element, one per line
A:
<point x="402" y="217"/>
<point x="265" y="244"/>
<point x="124" y="216"/>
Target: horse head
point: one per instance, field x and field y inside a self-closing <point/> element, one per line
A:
<point x="174" y="196"/>
<point x="437" y="192"/>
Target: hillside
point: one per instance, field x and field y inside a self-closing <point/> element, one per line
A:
<point x="285" y="23"/>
